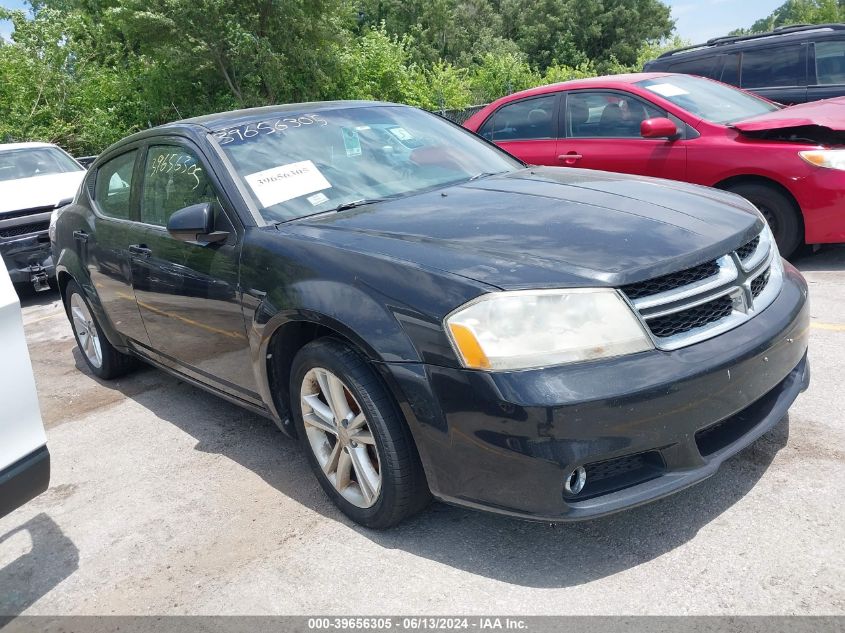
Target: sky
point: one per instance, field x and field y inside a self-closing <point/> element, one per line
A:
<point x="695" y="20"/>
<point x="699" y="20"/>
<point x="5" y="26"/>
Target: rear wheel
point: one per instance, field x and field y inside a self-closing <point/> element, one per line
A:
<point x="102" y="358"/>
<point x="783" y="216"/>
<point x="357" y="444"/>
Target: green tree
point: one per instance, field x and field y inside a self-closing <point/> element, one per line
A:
<point x="573" y="32"/>
<point x="798" y="12"/>
<point x="377" y="66"/>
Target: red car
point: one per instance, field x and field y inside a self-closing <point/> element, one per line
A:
<point x="789" y="162"/>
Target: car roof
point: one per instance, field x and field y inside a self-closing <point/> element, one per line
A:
<point x="200" y="125"/>
<point x="234" y="118"/>
<point x="605" y="81"/>
<point x="29" y="145"/>
<point x="719" y="45"/>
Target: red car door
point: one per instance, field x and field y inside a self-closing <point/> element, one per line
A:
<point x="600" y="129"/>
<point x="526" y="128"/>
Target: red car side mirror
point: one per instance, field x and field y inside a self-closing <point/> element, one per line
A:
<point x="658" y="127"/>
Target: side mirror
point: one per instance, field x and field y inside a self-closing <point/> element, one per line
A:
<point x="195" y="224"/>
<point x="659" y="127"/>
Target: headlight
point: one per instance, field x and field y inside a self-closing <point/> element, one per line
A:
<point x="536" y="328"/>
<point x="770" y="237"/>
<point x="51" y="231"/>
<point x="829" y="158"/>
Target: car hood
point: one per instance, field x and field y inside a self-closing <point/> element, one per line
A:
<point x="829" y="113"/>
<point x="38" y="191"/>
<point x="546" y="227"/>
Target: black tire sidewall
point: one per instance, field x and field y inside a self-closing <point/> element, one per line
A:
<point x="381" y="416"/>
<point x="789" y="233"/>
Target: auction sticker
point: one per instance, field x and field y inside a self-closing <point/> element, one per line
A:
<point x="286" y="182"/>
<point x="351" y="142"/>
<point x="667" y="90"/>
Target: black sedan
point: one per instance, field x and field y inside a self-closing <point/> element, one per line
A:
<point x="429" y="316"/>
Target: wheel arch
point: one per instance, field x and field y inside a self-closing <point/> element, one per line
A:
<point x="63" y="278"/>
<point x="283" y="342"/>
<point x="743" y="179"/>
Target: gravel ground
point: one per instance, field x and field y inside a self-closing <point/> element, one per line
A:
<point x="167" y="500"/>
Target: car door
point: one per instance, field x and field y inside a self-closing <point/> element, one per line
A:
<point x="526" y="128"/>
<point x="188" y="292"/>
<point x="102" y="246"/>
<point x="600" y="129"/>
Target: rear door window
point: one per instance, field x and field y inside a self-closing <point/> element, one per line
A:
<point x="830" y="62"/>
<point x="703" y="66"/>
<point x="527" y="119"/>
<point x="113" y="187"/>
<point x="773" y="67"/>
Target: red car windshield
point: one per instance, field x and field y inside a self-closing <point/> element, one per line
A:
<point x="712" y="101"/>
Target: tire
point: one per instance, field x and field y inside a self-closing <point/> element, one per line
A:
<point x="783" y="216"/>
<point x="99" y="354"/>
<point x="385" y="452"/>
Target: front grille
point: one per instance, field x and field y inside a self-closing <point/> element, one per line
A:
<point x="747" y="250"/>
<point x="24" y="212"/>
<point x="700" y="302"/>
<point x="691" y="318"/>
<point x="672" y="281"/>
<point x="759" y="284"/>
<point x="24" y="229"/>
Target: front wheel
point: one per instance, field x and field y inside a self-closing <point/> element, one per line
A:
<point x="359" y="447"/>
<point x="783" y="217"/>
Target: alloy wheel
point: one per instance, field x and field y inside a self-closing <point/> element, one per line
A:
<point x="340" y="437"/>
<point x="86" y="330"/>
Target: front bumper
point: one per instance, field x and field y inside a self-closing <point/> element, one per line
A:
<point x="27" y="257"/>
<point x="24" y="480"/>
<point x="643" y="426"/>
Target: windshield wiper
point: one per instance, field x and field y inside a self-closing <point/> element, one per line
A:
<point x="343" y="206"/>
<point x="484" y="174"/>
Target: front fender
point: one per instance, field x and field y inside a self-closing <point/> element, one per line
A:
<point x="390" y="310"/>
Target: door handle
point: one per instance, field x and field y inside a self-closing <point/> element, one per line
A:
<point x="80" y="236"/>
<point x="140" y="249"/>
<point x="570" y="158"/>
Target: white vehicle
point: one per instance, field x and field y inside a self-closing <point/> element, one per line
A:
<point x="24" y="459"/>
<point x="36" y="179"/>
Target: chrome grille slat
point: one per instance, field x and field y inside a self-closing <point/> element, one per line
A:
<point x="745" y="282"/>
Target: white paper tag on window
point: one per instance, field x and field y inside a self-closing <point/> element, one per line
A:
<point x="317" y="198"/>
<point x="667" y="90"/>
<point x="286" y="182"/>
<point x="401" y="133"/>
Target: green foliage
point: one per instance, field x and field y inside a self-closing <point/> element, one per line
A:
<point x="84" y="74"/>
<point x="377" y="66"/>
<point x="501" y="74"/>
<point x="798" y="12"/>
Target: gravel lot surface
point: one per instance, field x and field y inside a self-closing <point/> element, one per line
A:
<point x="167" y="500"/>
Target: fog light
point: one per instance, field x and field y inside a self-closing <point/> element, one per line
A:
<point x="575" y="481"/>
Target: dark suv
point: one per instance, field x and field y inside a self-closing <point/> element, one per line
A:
<point x="788" y="65"/>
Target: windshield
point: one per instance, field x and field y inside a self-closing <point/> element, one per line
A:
<point x="296" y="165"/>
<point x="711" y="101"/>
<point x="34" y="161"/>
